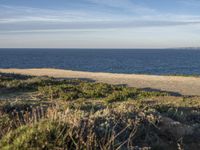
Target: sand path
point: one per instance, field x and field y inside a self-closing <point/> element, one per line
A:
<point x="176" y="84"/>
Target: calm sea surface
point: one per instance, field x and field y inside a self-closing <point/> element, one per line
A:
<point x="145" y="61"/>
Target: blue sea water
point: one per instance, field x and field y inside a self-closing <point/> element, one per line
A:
<point x="141" y="61"/>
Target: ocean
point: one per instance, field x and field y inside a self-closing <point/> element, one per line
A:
<point x="139" y="61"/>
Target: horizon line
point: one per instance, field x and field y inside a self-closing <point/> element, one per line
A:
<point x="98" y="48"/>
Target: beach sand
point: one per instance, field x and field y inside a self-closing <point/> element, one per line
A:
<point x="176" y="84"/>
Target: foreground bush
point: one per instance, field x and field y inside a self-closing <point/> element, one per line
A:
<point x="110" y="128"/>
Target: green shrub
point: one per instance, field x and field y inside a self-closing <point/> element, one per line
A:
<point x="95" y="90"/>
<point x="4" y="124"/>
<point x="146" y="94"/>
<point x="39" y="135"/>
<point x="123" y="95"/>
<point x="88" y="90"/>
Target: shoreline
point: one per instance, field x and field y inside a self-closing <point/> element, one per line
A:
<point x="184" y="85"/>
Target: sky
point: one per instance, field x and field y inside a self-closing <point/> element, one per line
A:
<point x="99" y="23"/>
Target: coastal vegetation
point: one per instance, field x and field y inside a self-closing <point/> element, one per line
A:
<point x="49" y="113"/>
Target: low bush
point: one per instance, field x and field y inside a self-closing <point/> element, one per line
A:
<point x="109" y="93"/>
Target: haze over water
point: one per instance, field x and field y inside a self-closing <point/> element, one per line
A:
<point x="141" y="61"/>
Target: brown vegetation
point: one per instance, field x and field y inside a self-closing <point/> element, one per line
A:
<point x="76" y="114"/>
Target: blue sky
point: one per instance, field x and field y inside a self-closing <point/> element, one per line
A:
<point x="99" y="23"/>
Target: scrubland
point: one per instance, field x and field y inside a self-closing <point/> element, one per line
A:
<point x="49" y="113"/>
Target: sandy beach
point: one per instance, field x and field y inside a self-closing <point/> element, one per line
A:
<point x="175" y="84"/>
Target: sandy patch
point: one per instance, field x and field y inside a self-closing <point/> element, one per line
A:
<point x="182" y="85"/>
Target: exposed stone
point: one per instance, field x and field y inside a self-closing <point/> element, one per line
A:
<point x="175" y="128"/>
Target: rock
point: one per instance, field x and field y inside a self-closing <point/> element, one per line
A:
<point x="174" y="128"/>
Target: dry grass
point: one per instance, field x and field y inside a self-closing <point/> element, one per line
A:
<point x="133" y="119"/>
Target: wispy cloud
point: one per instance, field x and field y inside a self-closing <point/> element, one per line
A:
<point x="99" y="23"/>
<point x="195" y="3"/>
<point x="124" y="5"/>
<point x="29" y="19"/>
<point x="67" y="26"/>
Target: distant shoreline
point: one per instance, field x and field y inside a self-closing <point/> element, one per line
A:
<point x="189" y="85"/>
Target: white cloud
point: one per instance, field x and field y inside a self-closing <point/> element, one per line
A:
<point x="85" y="26"/>
<point x="137" y="26"/>
<point x="26" y="19"/>
<point x="173" y="36"/>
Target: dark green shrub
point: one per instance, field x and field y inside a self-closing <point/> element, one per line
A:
<point x="123" y="95"/>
